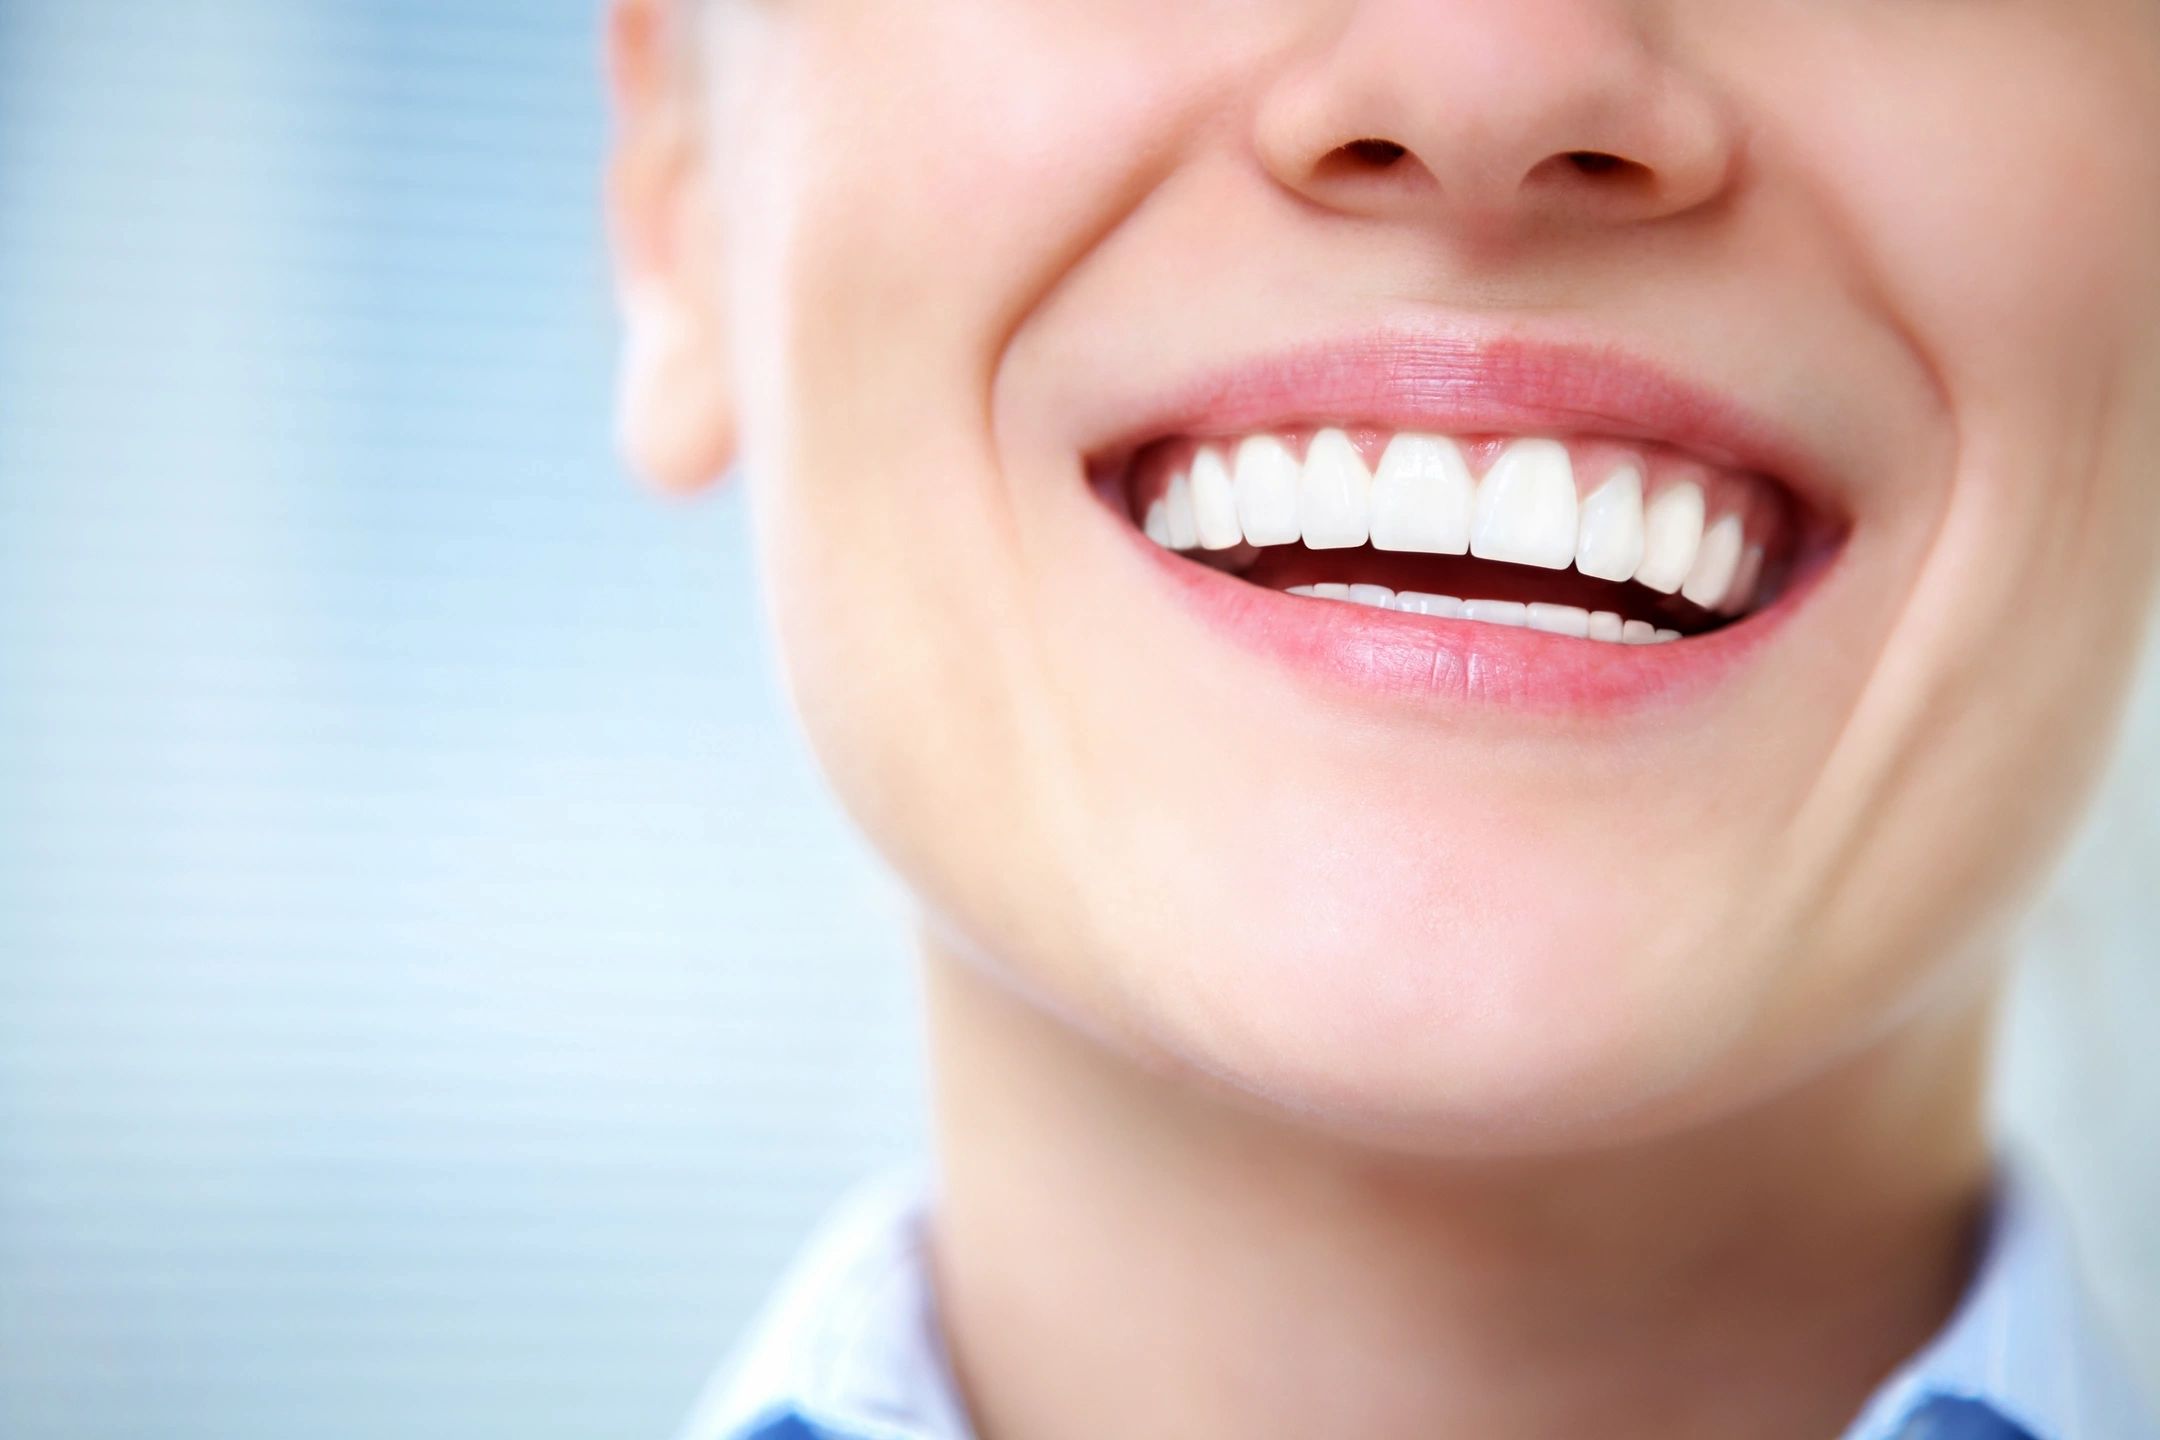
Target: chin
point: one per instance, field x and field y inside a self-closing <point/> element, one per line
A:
<point x="1447" y="995"/>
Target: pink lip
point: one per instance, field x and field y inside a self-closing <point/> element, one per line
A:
<point x="1423" y="660"/>
<point x="1451" y="384"/>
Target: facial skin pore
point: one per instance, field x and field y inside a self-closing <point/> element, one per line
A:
<point x="1461" y="1044"/>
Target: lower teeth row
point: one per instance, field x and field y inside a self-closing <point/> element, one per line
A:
<point x="1573" y="620"/>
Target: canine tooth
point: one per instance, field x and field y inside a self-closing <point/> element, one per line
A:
<point x="1666" y="637"/>
<point x="1561" y="620"/>
<point x="1605" y="625"/>
<point x="1331" y="592"/>
<point x="1157" y="527"/>
<point x="1335" y="495"/>
<point x="1422" y="496"/>
<point x="1497" y="612"/>
<point x="1672" y="532"/>
<point x="1716" y="563"/>
<point x="1378" y="596"/>
<point x="1184" y="533"/>
<point x="1214" y="502"/>
<point x="1417" y="602"/>
<point x="1638" y="632"/>
<point x="1299" y="590"/>
<point x="1267" y="484"/>
<point x="1526" y="510"/>
<point x="1746" y="582"/>
<point x="1609" y="545"/>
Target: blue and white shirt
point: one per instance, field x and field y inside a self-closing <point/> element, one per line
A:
<point x="850" y="1348"/>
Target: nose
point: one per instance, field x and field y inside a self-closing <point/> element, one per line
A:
<point x="1497" y="116"/>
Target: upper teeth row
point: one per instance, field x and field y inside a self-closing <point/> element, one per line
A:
<point x="1423" y="497"/>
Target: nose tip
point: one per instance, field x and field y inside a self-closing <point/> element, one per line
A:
<point x="1497" y="116"/>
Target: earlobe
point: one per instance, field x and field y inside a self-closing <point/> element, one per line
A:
<point x="674" y="413"/>
<point x="674" y="417"/>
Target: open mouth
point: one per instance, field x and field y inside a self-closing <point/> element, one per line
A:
<point x="1602" y="540"/>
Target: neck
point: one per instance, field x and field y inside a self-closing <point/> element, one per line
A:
<point x="1118" y="1253"/>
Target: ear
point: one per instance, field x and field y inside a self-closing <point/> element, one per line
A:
<point x="674" y="412"/>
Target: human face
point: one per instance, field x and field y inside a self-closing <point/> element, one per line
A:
<point x="989" y="278"/>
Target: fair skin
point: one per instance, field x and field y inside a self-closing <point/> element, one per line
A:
<point x="1402" y="1023"/>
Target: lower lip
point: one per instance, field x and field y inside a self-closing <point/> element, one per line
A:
<point x="1426" y="661"/>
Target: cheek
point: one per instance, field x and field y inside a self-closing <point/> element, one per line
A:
<point x="2013" y="229"/>
<point x="2000" y="190"/>
<point x="2016" y="225"/>
<point x="885" y="230"/>
<point x="926" y="173"/>
<point x="917" y="184"/>
<point x="924" y="176"/>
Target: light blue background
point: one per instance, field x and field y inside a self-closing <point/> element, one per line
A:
<point x="434" y="993"/>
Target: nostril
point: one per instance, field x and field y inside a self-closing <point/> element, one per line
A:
<point x="1359" y="163"/>
<point x="1372" y="154"/>
<point x="1595" y="175"/>
<point x="1597" y="164"/>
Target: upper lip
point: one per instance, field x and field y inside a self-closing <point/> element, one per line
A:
<point x="1453" y="382"/>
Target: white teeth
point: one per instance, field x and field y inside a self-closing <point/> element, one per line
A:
<point x="1716" y="563"/>
<point x="1672" y="532"/>
<point x="1610" y="542"/>
<point x="1422" y="497"/>
<point x="1561" y="620"/>
<point x="1267" y="491"/>
<point x="1157" y="527"/>
<point x="1416" y="602"/>
<point x="1497" y="612"/>
<point x="1335" y="495"/>
<point x="1377" y="596"/>
<point x="1526" y="511"/>
<point x="1177" y="503"/>
<point x="1745" y="583"/>
<point x="1214" y="502"/>
<point x="1569" y="620"/>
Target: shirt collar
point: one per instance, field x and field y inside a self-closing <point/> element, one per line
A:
<point x="850" y="1342"/>
<point x="850" y="1345"/>
<point x="2024" y="1341"/>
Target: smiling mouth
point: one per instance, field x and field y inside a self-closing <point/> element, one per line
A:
<point x="1601" y="540"/>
